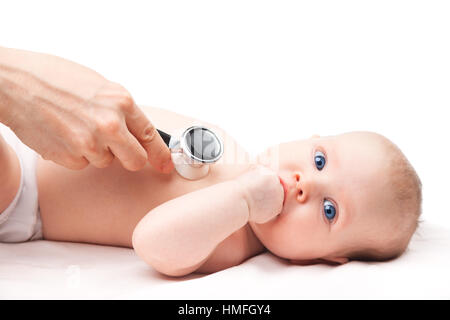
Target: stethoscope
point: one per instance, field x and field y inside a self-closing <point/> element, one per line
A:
<point x="194" y="151"/>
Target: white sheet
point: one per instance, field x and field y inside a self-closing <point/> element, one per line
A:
<point x="56" y="270"/>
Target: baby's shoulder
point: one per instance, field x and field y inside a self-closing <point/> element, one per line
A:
<point x="238" y="247"/>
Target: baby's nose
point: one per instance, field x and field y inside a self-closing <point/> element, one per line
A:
<point x="302" y="187"/>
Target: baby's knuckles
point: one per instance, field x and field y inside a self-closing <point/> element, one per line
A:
<point x="263" y="192"/>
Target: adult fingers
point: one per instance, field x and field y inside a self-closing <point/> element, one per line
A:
<point x="128" y="150"/>
<point x="157" y="151"/>
<point x="100" y="158"/>
<point x="69" y="161"/>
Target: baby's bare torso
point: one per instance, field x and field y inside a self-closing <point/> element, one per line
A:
<point x="103" y="206"/>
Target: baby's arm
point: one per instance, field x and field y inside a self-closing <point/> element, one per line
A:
<point x="177" y="237"/>
<point x="9" y="174"/>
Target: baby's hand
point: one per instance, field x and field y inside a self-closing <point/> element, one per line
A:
<point x="263" y="192"/>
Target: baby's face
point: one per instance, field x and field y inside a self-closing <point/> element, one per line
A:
<point x="335" y="196"/>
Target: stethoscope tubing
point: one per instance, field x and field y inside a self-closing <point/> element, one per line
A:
<point x="165" y="136"/>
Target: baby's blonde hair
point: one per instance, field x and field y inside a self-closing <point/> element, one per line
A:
<point x="405" y="189"/>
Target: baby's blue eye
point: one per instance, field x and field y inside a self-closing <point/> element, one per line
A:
<point x="319" y="159"/>
<point x="329" y="209"/>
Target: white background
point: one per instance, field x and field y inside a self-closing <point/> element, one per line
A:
<point x="269" y="71"/>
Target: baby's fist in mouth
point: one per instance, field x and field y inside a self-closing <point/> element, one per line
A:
<point x="263" y="192"/>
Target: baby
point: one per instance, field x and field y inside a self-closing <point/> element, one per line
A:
<point x="329" y="199"/>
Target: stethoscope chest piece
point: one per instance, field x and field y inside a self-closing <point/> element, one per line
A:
<point x="194" y="151"/>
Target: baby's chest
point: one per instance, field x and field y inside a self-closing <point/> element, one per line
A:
<point x="104" y="205"/>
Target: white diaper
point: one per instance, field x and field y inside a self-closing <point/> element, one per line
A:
<point x="21" y="220"/>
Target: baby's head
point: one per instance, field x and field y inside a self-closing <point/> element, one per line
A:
<point x="353" y="196"/>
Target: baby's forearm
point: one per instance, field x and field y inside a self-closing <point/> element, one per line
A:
<point x="179" y="235"/>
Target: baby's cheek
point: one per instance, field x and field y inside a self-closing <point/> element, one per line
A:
<point x="306" y="222"/>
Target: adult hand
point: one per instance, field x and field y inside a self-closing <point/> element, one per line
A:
<point x="73" y="116"/>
